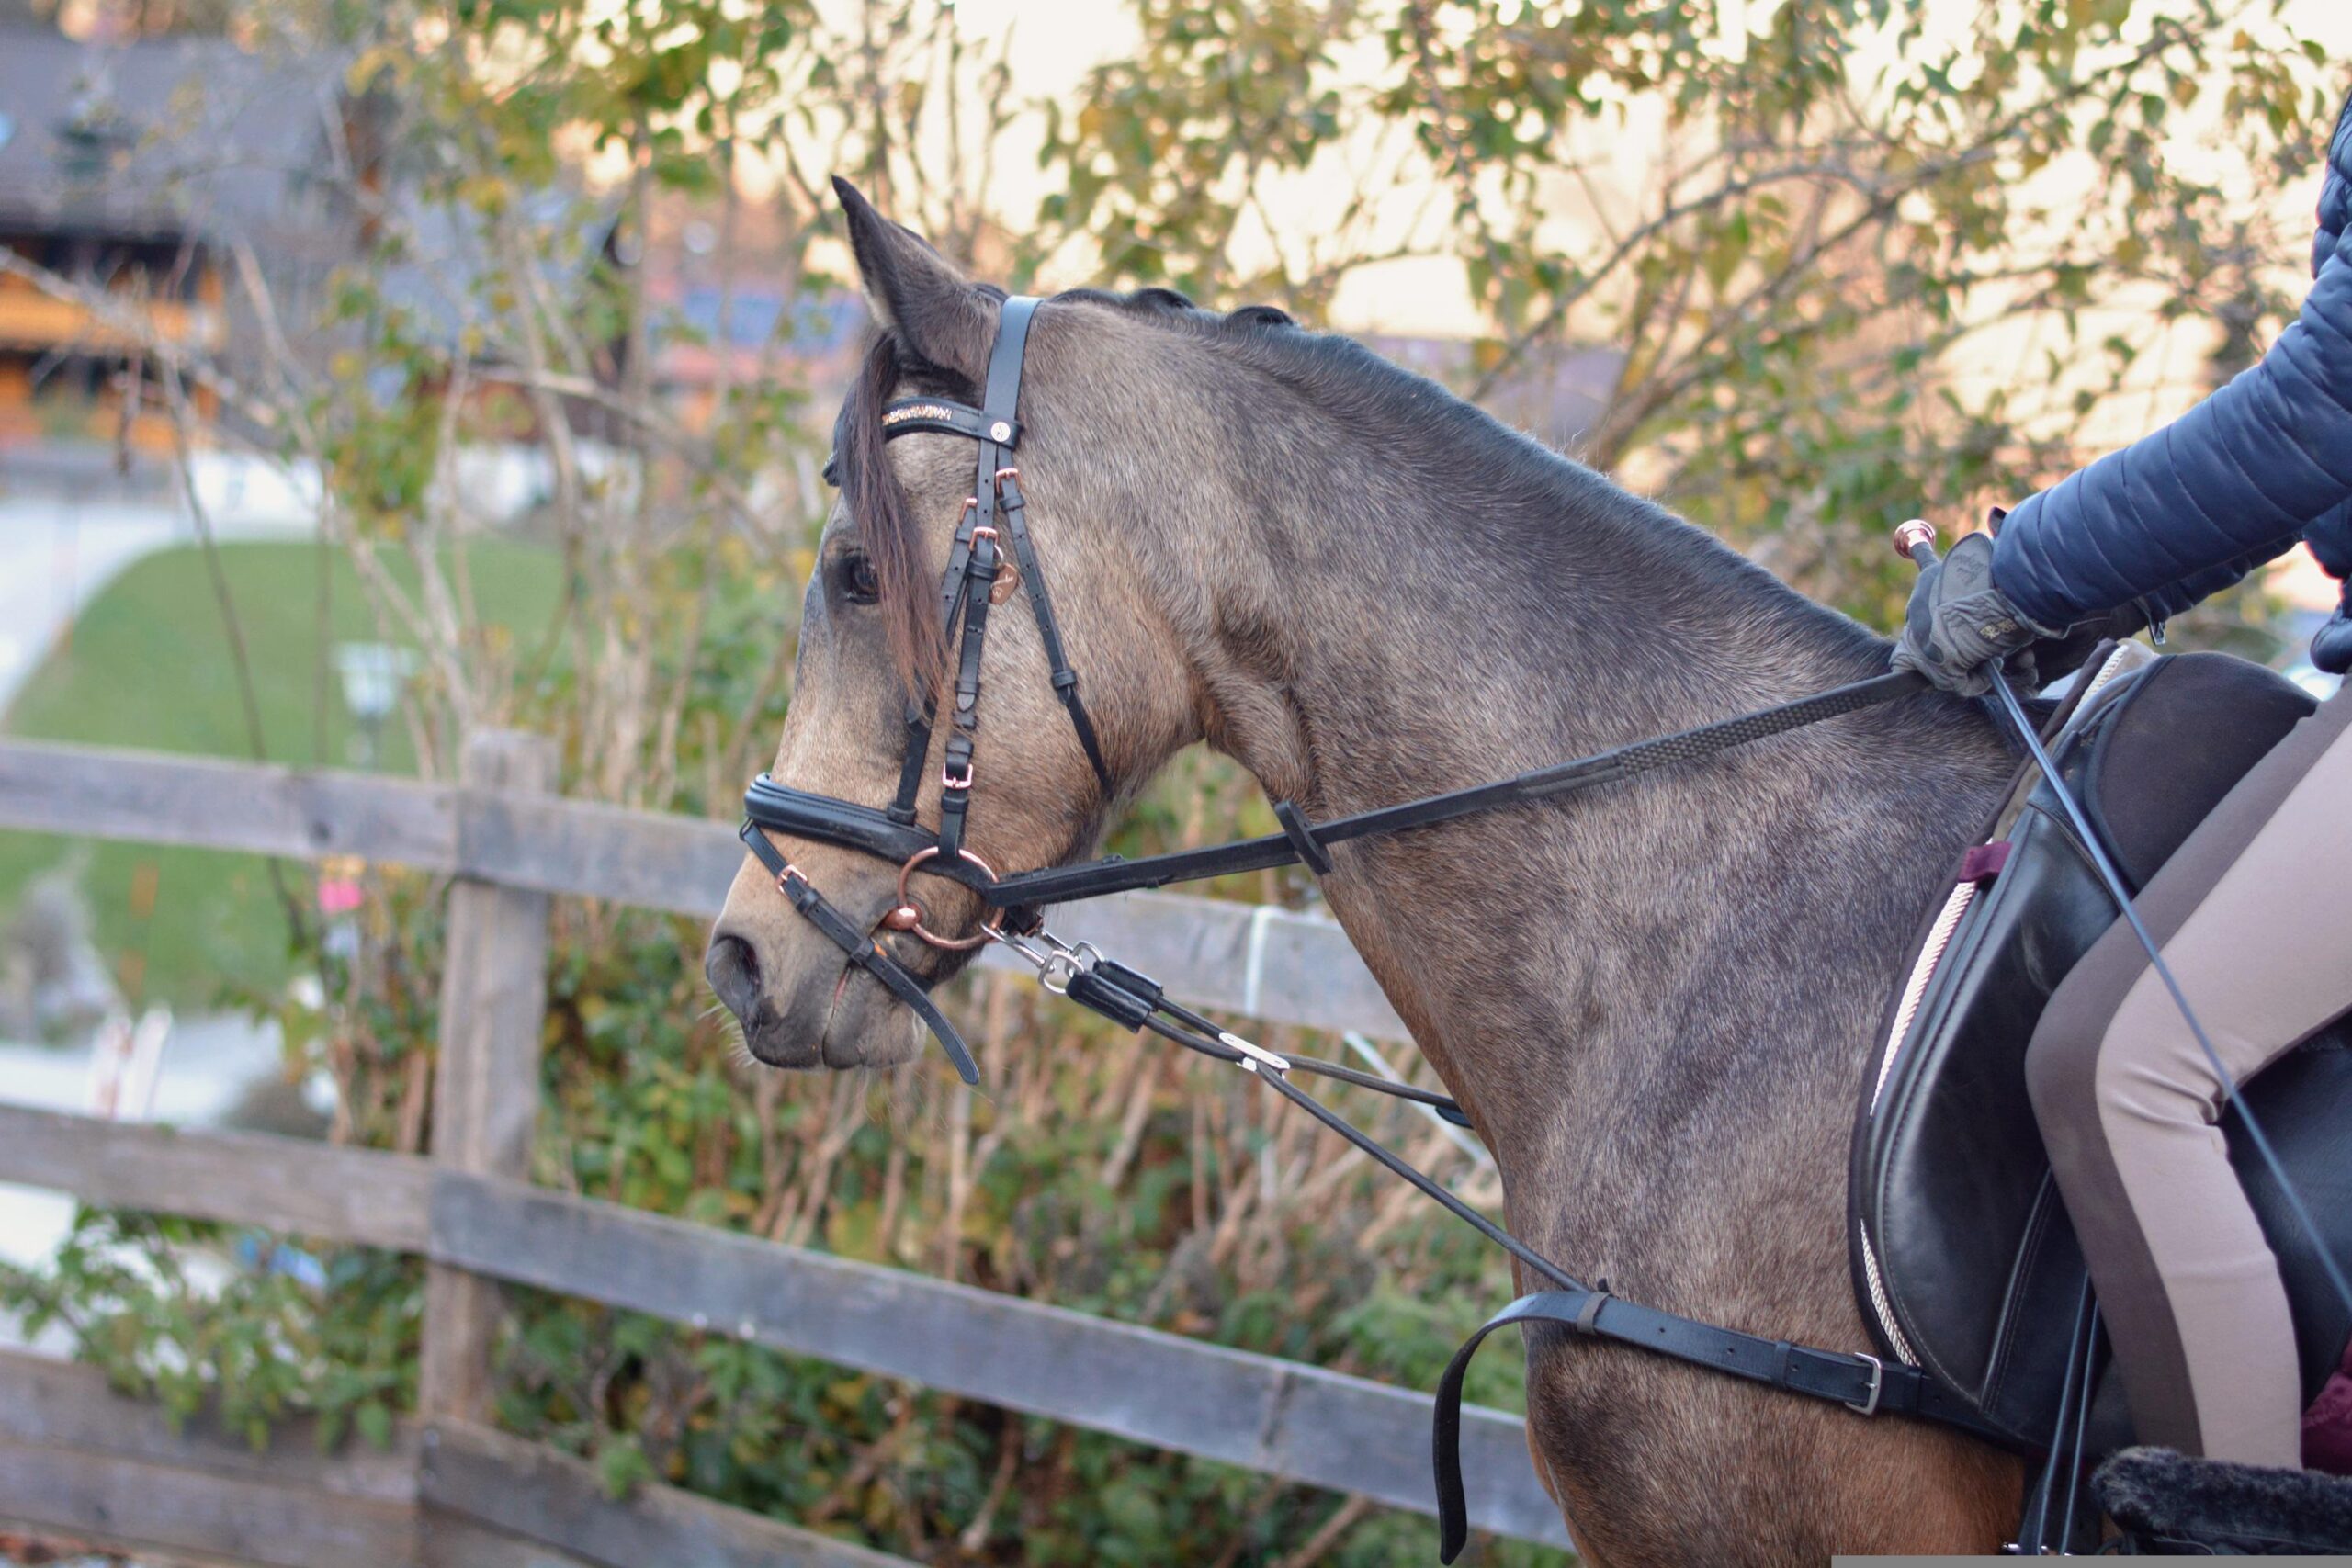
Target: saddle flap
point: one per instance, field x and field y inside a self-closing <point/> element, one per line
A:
<point x="1964" y="1259"/>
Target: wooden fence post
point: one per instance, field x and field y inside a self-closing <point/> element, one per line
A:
<point x="486" y="1086"/>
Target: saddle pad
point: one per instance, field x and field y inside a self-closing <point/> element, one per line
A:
<point x="1964" y="1258"/>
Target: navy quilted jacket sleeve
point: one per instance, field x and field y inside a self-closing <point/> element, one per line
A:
<point x="2189" y="509"/>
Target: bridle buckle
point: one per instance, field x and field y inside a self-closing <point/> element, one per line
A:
<point x="953" y="781"/>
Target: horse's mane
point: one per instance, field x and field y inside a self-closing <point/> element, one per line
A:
<point x="1425" y="425"/>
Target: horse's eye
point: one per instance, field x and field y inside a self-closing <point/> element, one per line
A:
<point x="856" y="578"/>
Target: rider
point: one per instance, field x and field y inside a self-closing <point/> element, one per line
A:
<point x="2249" y="912"/>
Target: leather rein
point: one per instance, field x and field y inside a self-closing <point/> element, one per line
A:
<point x="991" y="542"/>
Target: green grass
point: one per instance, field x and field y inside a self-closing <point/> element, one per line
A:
<point x="149" y="665"/>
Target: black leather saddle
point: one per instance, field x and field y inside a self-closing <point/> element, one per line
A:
<point x="1963" y="1256"/>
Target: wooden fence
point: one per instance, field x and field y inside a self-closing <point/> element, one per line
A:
<point x="453" y="1491"/>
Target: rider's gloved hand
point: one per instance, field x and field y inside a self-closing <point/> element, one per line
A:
<point x="1959" y="626"/>
<point x="2332" y="648"/>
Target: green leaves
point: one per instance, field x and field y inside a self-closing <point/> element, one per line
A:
<point x="287" y="1331"/>
<point x="1789" y="220"/>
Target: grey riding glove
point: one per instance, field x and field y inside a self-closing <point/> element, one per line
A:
<point x="2332" y="648"/>
<point x="1958" y="626"/>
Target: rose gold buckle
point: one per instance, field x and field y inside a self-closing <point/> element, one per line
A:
<point x="949" y="780"/>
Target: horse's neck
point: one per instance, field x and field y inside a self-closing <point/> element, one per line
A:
<point x="1653" y="971"/>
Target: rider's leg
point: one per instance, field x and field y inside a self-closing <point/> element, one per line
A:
<point x="2250" y="915"/>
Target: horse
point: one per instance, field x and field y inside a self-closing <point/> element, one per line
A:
<point x="1653" y="1001"/>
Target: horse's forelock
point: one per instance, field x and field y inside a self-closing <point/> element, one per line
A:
<point x="886" y="523"/>
<point x="878" y="502"/>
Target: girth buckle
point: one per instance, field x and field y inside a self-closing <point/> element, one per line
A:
<point x="1869" y="1405"/>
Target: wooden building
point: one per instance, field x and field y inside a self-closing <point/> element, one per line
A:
<point x="135" y="170"/>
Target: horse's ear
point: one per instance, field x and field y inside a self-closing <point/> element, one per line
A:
<point x="915" y="292"/>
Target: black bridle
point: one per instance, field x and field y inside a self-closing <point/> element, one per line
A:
<point x="992" y="517"/>
<point x="976" y="579"/>
<point x="975" y="582"/>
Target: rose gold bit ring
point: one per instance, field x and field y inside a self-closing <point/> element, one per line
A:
<point x="908" y="915"/>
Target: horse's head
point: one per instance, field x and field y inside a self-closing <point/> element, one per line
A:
<point x="872" y="631"/>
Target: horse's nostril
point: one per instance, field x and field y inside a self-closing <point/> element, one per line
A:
<point x="733" y="971"/>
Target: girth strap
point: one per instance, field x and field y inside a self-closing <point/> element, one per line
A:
<point x="1863" y="1385"/>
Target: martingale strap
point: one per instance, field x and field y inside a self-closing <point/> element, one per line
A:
<point x="1861" y="1382"/>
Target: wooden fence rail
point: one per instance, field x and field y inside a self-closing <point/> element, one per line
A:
<point x="78" y="1458"/>
<point x="1254" y="959"/>
<point x="464" y="1212"/>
